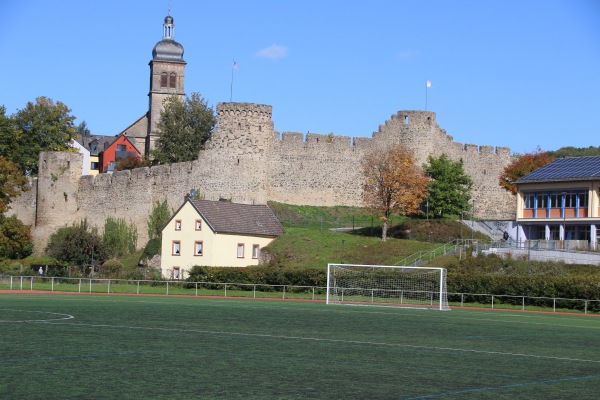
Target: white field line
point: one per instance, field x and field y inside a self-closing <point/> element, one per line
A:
<point x="63" y="317"/>
<point x="316" y="339"/>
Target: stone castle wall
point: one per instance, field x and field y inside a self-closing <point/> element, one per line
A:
<point x="247" y="161"/>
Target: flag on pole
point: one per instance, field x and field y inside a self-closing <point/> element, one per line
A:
<point x="235" y="65"/>
<point x="428" y="83"/>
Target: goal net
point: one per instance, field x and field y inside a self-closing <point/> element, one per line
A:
<point x="383" y="285"/>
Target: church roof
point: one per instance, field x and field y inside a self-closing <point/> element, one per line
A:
<point x="168" y="49"/>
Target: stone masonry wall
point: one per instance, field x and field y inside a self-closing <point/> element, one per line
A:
<point x="247" y="161"/>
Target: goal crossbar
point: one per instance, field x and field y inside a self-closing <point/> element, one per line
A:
<point x="386" y="285"/>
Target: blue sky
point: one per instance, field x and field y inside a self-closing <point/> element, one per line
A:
<point x="506" y="73"/>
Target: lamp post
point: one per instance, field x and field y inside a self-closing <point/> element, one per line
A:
<point x="564" y="213"/>
<point x="343" y="251"/>
<point x="473" y="220"/>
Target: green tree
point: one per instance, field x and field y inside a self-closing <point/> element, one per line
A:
<point x="8" y="134"/>
<point x="79" y="244"/>
<point x="131" y="161"/>
<point x="83" y="130"/>
<point x="393" y="183"/>
<point x="12" y="183"/>
<point x="522" y="166"/>
<point x="15" y="238"/>
<point x="184" y="128"/>
<point x="449" y="189"/>
<point x="158" y="218"/>
<point x="43" y="126"/>
<point x="571" y="151"/>
<point x="119" y="238"/>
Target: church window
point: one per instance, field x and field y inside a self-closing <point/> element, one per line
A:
<point x="173" y="80"/>
<point x="163" y="79"/>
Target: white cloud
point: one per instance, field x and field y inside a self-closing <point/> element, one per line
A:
<point x="407" y="55"/>
<point x="273" y="51"/>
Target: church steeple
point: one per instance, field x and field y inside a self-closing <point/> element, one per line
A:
<point x="169" y="28"/>
<point x="167" y="71"/>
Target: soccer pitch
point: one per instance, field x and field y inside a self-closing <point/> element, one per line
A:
<point x="140" y="347"/>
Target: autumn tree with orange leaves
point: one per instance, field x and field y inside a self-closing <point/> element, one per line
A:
<point x="522" y="166"/>
<point x="393" y="183"/>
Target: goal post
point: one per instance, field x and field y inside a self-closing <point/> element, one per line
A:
<point x="385" y="285"/>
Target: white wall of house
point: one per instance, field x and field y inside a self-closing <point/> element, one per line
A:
<point x="218" y="250"/>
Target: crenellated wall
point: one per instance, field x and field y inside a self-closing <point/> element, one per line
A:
<point x="247" y="161"/>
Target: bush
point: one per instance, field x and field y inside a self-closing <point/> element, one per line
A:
<point x="153" y="247"/>
<point x="261" y="274"/>
<point x="112" y="268"/>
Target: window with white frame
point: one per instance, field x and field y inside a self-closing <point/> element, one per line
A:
<point x="240" y="250"/>
<point x="198" y="248"/>
<point x="255" y="249"/>
<point x="176" y="273"/>
<point x="177" y="224"/>
<point x="198" y="224"/>
<point x="176" y="247"/>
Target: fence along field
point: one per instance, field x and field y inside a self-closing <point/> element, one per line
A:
<point x="261" y="291"/>
<point x="131" y="347"/>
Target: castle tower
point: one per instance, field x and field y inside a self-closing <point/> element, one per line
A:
<point x="167" y="71"/>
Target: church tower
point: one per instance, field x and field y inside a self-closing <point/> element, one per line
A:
<point x="167" y="71"/>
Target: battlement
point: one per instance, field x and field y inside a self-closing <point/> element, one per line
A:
<point x="244" y="110"/>
<point x="416" y="117"/>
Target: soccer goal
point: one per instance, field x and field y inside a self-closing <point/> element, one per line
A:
<point x="384" y="285"/>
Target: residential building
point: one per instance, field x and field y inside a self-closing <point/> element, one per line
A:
<point x="216" y="233"/>
<point x="561" y="202"/>
<point x="120" y="148"/>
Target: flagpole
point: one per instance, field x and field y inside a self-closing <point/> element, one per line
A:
<point x="425" y="97"/>
<point x="231" y="88"/>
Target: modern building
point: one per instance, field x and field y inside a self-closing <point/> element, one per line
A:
<point x="561" y="202"/>
<point x="216" y="234"/>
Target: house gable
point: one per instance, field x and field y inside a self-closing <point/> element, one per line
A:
<point x="198" y="234"/>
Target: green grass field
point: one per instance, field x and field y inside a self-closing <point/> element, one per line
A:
<point x="128" y="347"/>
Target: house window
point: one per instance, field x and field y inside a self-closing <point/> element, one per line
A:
<point x="255" y="249"/>
<point x="121" y="147"/>
<point x="198" y="249"/>
<point x="177" y="224"/>
<point x="163" y="79"/>
<point x="176" y="273"/>
<point x="240" y="250"/>
<point x="198" y="224"/>
<point x="583" y="199"/>
<point x="529" y="200"/>
<point x="94" y="165"/>
<point x="173" y="80"/>
<point x="555" y="200"/>
<point x="570" y="199"/>
<point x="542" y="200"/>
<point x="176" y="247"/>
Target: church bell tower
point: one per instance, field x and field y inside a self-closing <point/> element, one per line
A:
<point x="167" y="71"/>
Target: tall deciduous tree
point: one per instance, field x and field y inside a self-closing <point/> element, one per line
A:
<point x="15" y="238"/>
<point x="12" y="183"/>
<point x="522" y="166"/>
<point x="43" y="126"/>
<point x="119" y="238"/>
<point x="449" y="188"/>
<point x="393" y="183"/>
<point x="79" y="244"/>
<point x="158" y="218"/>
<point x="184" y="128"/>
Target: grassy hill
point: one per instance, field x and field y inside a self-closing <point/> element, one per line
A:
<point x="310" y="242"/>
